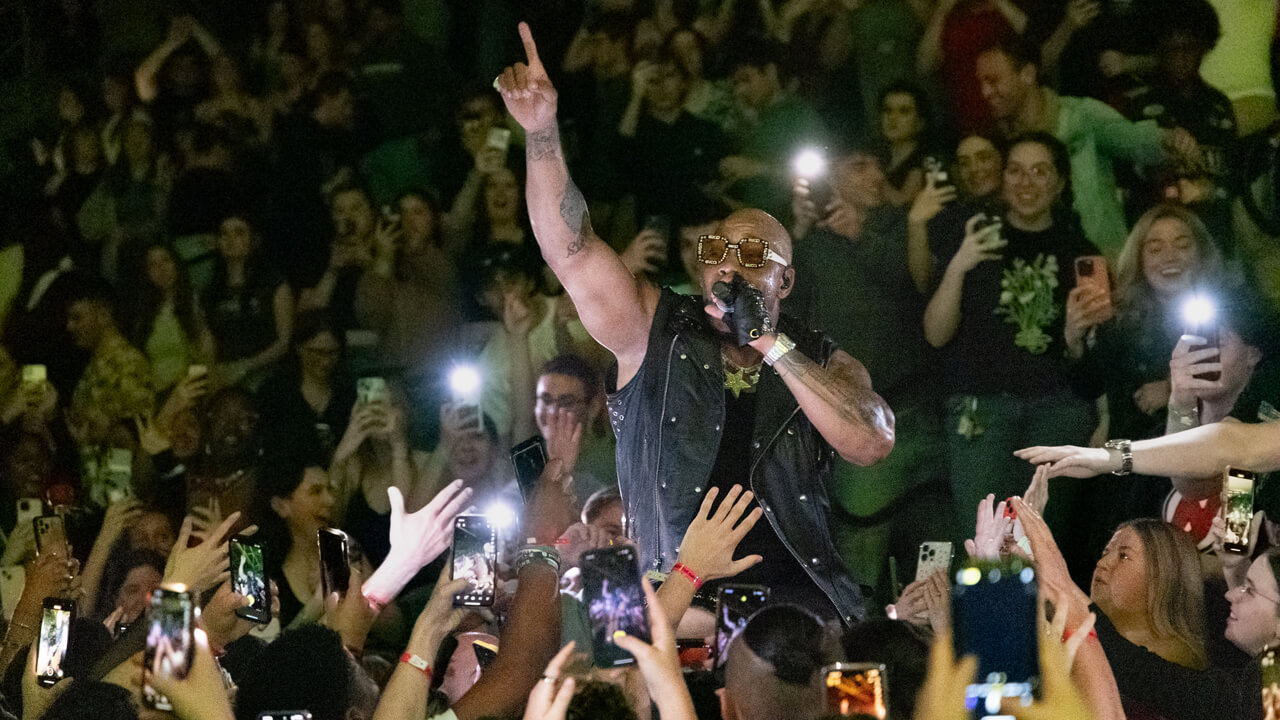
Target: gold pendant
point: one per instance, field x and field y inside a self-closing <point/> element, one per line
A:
<point x="739" y="380"/>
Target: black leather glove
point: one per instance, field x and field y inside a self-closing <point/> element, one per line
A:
<point x="748" y="318"/>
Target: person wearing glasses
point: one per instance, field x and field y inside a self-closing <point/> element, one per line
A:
<point x="709" y="392"/>
<point x="997" y="313"/>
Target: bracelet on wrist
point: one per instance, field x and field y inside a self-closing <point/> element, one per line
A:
<point x="537" y="554"/>
<point x="416" y="661"/>
<point x="781" y="346"/>
<point x="685" y="571"/>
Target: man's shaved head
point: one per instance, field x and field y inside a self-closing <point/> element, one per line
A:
<point x="750" y="222"/>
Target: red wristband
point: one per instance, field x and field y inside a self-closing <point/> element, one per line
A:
<point x="1067" y="633"/>
<point x="416" y="662"/>
<point x="685" y="571"/>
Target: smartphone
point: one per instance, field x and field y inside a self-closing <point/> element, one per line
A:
<point x="486" y="653"/>
<point x="934" y="170"/>
<point x="33" y="380"/>
<point x="1237" y="508"/>
<point x="249" y="578"/>
<point x="29" y="509"/>
<point x="856" y="690"/>
<point x="170" y="646"/>
<point x="284" y="715"/>
<point x="529" y="459"/>
<point x="1199" y="316"/>
<point x="370" y="390"/>
<point x="1269" y="669"/>
<point x="985" y="221"/>
<point x="615" y="602"/>
<point x="51" y="535"/>
<point x="498" y="138"/>
<point x="335" y="561"/>
<point x="993" y="611"/>
<point x="735" y="604"/>
<point x="117" y="474"/>
<point x="935" y="555"/>
<point x="1091" y="270"/>
<point x="55" y="633"/>
<point x="13" y="578"/>
<point x="475" y="557"/>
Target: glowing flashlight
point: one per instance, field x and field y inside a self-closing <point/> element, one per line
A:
<point x="464" y="381"/>
<point x="501" y="516"/>
<point x="1198" y="311"/>
<point x="809" y="164"/>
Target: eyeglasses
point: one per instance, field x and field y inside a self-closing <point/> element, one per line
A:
<point x="1039" y="173"/>
<point x="752" y="252"/>
<point x="1248" y="590"/>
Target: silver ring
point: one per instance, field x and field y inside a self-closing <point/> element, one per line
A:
<point x="550" y="678"/>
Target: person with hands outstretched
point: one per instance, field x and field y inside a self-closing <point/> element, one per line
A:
<point x="812" y="395"/>
<point x="405" y="695"/>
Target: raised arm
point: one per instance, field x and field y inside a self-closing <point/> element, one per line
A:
<point x="616" y="308"/>
<point x="1200" y="451"/>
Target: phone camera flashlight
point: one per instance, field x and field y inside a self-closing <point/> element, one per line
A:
<point x="501" y="516"/>
<point x="464" y="381"/>
<point x="1199" y="311"/>
<point x="810" y="164"/>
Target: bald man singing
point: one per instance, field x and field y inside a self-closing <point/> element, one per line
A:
<point x="708" y="394"/>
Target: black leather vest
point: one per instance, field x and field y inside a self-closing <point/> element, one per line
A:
<point x="669" y="420"/>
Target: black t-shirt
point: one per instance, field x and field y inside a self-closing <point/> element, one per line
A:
<point x="667" y="164"/>
<point x="779" y="569"/>
<point x="983" y="355"/>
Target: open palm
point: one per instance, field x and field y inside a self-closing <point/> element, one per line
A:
<point x="527" y="91"/>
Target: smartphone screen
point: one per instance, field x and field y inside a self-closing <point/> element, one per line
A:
<point x="169" y="650"/>
<point x="615" y="602"/>
<point x="856" y="690"/>
<point x="370" y="390"/>
<point x="51" y="535"/>
<point x="1237" y="508"/>
<point x="993" y="607"/>
<point x="475" y="557"/>
<point x="118" y="477"/>
<point x="735" y="604"/>
<point x="934" y="556"/>
<point x="55" y="633"/>
<point x="335" y="563"/>
<point x="249" y="578"/>
<point x="529" y="459"/>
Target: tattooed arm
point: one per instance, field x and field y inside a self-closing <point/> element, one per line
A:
<point x="840" y="403"/>
<point x="616" y="308"/>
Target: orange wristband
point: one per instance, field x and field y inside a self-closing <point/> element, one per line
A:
<point x="416" y="662"/>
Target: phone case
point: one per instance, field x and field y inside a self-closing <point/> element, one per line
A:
<point x="934" y="556"/>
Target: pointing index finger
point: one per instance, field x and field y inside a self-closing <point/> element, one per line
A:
<point x="530" y="47"/>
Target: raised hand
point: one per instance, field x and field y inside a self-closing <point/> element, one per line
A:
<point x="550" y="697"/>
<point x="943" y="695"/>
<point x="564" y="437"/>
<point x="979" y="245"/>
<point x="527" y="90"/>
<point x="205" y="565"/>
<point x="1184" y="365"/>
<point x="930" y="201"/>
<point x="201" y="695"/>
<point x="992" y="526"/>
<point x="1069" y="460"/>
<point x="709" y="543"/>
<point x="420" y="537"/>
<point x="645" y="252"/>
<point x="659" y="662"/>
<point x="1037" y="494"/>
<point x="1087" y="307"/>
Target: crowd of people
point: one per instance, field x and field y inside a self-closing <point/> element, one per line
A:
<point x="786" y="288"/>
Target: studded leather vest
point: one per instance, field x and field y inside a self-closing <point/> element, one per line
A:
<point x="669" y="420"/>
